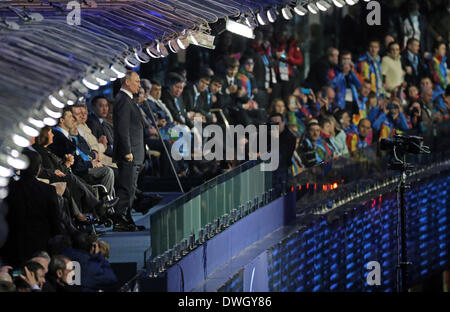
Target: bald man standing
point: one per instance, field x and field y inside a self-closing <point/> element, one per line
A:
<point x="128" y="150"/>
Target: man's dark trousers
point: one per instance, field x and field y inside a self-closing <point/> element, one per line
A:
<point x="126" y="186"/>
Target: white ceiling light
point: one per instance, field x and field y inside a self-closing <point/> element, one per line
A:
<point x="56" y="102"/>
<point x="142" y="57"/>
<point x="3" y="193"/>
<point x="323" y="5"/>
<point x="20" y="140"/>
<point x="5" y="172"/>
<point x="119" y="70"/>
<point x="339" y="3"/>
<point x="49" y="121"/>
<point x="272" y="15"/>
<point x="351" y="2"/>
<point x="35" y="122"/>
<point x="162" y="49"/>
<point x="31" y="131"/>
<point x="90" y="82"/>
<point x="300" y="10"/>
<point x="79" y="86"/>
<point x="110" y="73"/>
<point x="151" y="50"/>
<point x="173" y="46"/>
<point x="20" y="162"/>
<point x="286" y="12"/>
<point x="52" y="113"/>
<point x="182" y="42"/>
<point x="3" y="181"/>
<point x="191" y="37"/>
<point x="131" y="61"/>
<point x="312" y="8"/>
<point x="239" y="29"/>
<point x="262" y="18"/>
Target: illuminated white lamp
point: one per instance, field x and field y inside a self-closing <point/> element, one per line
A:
<point x="312" y="8"/>
<point x="239" y="29"/>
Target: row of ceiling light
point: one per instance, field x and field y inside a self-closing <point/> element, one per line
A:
<point x="245" y="24"/>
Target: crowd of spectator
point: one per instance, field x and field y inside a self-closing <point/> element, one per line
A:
<point x="346" y="103"/>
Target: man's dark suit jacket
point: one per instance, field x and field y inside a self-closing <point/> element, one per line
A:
<point x="422" y="69"/>
<point x="199" y="106"/>
<point x="62" y="146"/>
<point x="176" y="114"/>
<point x="128" y="129"/>
<point x="33" y="218"/>
<point x="98" y="129"/>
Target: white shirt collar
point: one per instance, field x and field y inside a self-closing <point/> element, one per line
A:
<point x="127" y="93"/>
<point x="65" y="132"/>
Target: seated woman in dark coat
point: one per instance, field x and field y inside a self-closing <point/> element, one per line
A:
<point x="55" y="169"/>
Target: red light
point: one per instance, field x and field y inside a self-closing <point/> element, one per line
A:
<point x="325" y="187"/>
<point x="307" y="185"/>
<point x="315" y="186"/>
<point x="292" y="189"/>
<point x="299" y="187"/>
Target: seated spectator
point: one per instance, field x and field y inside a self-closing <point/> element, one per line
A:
<point x="313" y="150"/>
<point x="324" y="140"/>
<point x="430" y="113"/>
<point x="151" y="136"/>
<point x="60" y="274"/>
<point x="56" y="170"/>
<point x="32" y="279"/>
<point x="43" y="258"/>
<point x="172" y="97"/>
<point x="80" y="112"/>
<point x="392" y="123"/>
<point x="65" y="147"/>
<point x="360" y="139"/>
<point x="369" y="67"/>
<point x="6" y="281"/>
<point x="337" y="137"/>
<point x="438" y="65"/>
<point x="220" y="100"/>
<point x="345" y="122"/>
<point x="415" y="118"/>
<point x="324" y="70"/>
<point x="101" y="128"/>
<point x="297" y="115"/>
<point x="360" y="111"/>
<point x="297" y="166"/>
<point x="159" y="108"/>
<point x="372" y="108"/>
<point x="104" y="249"/>
<point x="277" y="106"/>
<point x="413" y="63"/>
<point x="412" y="93"/>
<point x="196" y="98"/>
<point x="346" y="83"/>
<point x="96" y="272"/>
<point x="34" y="214"/>
<point x="248" y="90"/>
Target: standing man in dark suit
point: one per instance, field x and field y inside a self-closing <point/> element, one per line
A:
<point x="101" y="128"/>
<point x="128" y="151"/>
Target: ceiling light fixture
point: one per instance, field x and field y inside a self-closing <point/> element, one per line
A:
<point x="312" y="8"/>
<point x="239" y="29"/>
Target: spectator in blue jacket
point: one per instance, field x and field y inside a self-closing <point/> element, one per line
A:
<point x="96" y="271"/>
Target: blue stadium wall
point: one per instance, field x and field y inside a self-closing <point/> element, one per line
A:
<point x="332" y="255"/>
